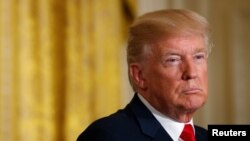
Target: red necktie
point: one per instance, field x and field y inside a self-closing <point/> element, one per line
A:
<point x="188" y="133"/>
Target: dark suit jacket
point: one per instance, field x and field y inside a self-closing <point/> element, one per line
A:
<point x="133" y="123"/>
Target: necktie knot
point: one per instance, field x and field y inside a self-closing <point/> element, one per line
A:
<point x="188" y="133"/>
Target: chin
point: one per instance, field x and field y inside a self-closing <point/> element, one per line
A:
<point x="197" y="106"/>
<point x="195" y="103"/>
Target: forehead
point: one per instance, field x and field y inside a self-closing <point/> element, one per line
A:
<point x="180" y="44"/>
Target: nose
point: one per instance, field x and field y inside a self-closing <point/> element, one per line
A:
<point x="189" y="70"/>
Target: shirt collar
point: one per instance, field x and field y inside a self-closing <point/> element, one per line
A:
<point x="172" y="127"/>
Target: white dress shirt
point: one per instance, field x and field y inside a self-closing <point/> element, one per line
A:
<point x="172" y="127"/>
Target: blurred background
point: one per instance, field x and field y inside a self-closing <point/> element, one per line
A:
<point x="62" y="63"/>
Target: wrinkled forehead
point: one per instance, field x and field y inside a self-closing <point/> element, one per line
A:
<point x="178" y="44"/>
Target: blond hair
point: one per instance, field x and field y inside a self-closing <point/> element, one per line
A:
<point x="150" y="27"/>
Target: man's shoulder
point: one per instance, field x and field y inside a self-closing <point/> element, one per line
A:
<point x="113" y="120"/>
<point x="201" y="133"/>
<point x="123" y="119"/>
<point x="200" y="129"/>
<point x="111" y="127"/>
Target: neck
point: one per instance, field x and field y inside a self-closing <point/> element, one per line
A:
<point x="180" y="117"/>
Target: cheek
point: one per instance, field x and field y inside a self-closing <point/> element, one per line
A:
<point x="162" y="79"/>
<point x="204" y="79"/>
<point x="169" y="79"/>
<point x="203" y="75"/>
<point x="160" y="82"/>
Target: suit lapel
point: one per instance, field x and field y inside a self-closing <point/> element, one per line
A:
<point x="162" y="135"/>
<point x="200" y="134"/>
<point x="147" y="122"/>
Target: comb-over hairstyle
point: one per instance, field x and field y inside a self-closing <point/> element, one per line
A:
<point x="153" y="26"/>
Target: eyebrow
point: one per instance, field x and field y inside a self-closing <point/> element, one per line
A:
<point x="200" y="50"/>
<point x="176" y="52"/>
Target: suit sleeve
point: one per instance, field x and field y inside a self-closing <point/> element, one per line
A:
<point x="95" y="134"/>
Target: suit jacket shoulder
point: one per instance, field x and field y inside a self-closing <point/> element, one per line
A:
<point x="200" y="133"/>
<point x="133" y="123"/>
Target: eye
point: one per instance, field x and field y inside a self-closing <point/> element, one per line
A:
<point x="172" y="60"/>
<point x="200" y="56"/>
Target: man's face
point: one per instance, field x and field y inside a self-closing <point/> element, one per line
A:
<point x="174" y="74"/>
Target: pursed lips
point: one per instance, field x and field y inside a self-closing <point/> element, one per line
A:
<point x="192" y="90"/>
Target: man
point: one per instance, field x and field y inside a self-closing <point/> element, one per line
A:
<point x="167" y="65"/>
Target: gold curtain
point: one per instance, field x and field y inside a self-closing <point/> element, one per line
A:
<point x="59" y="65"/>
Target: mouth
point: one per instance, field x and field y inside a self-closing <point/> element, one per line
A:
<point x="192" y="91"/>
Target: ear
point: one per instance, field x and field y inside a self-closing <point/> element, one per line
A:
<point x="136" y="74"/>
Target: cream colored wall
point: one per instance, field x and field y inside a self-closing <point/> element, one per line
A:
<point x="229" y="66"/>
<point x="229" y="69"/>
